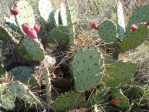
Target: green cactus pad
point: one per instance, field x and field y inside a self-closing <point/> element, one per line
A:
<point x="60" y="35"/>
<point x="2" y="71"/>
<point x="86" y="67"/>
<point x="22" y="73"/>
<point x="121" y="20"/>
<point x="26" y="14"/>
<point x="46" y="10"/>
<point x="118" y="73"/>
<point x="21" y="91"/>
<point x="68" y="101"/>
<point x="97" y="97"/>
<point x="117" y="94"/>
<point x="5" y="35"/>
<point x="30" y="50"/>
<point x="135" y="93"/>
<point x="134" y="39"/>
<point x="7" y="101"/>
<point x="139" y="16"/>
<point x="108" y="31"/>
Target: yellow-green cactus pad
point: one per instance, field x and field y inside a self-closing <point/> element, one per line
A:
<point x="21" y="91"/>
<point x="68" y="101"/>
<point x="119" y="72"/>
<point x="140" y="15"/>
<point x="5" y="35"/>
<point x="26" y="14"/>
<point x="134" y="38"/>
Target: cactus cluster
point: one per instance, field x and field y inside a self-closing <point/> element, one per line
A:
<point x="91" y="69"/>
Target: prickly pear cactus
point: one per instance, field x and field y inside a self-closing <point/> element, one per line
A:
<point x="73" y="11"/>
<point x="139" y="16"/>
<point x="135" y="93"/>
<point x="26" y="14"/>
<point x="119" y="72"/>
<point x="108" y="31"/>
<point x="134" y="38"/>
<point x="22" y="73"/>
<point x="121" y="20"/>
<point x="63" y="14"/>
<point x="8" y="101"/>
<point x="86" y="67"/>
<point x="5" y="35"/>
<point x="2" y="70"/>
<point x="46" y="10"/>
<point x="123" y="103"/>
<point x="60" y="35"/>
<point x="30" y="50"/>
<point x="68" y="101"/>
<point x="97" y="97"/>
<point x="21" y="91"/>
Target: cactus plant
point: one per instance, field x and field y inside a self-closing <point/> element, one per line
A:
<point x="68" y="101"/>
<point x="8" y="101"/>
<point x="21" y="91"/>
<point x="26" y="14"/>
<point x="117" y="74"/>
<point x="60" y="35"/>
<point x="86" y="67"/>
<point x="5" y="35"/>
<point x="117" y="94"/>
<point x="22" y="73"/>
<point x="30" y="50"/>
<point x="108" y="31"/>
<point x="121" y="20"/>
<point x="97" y="97"/>
<point x="134" y="39"/>
<point x="2" y="71"/>
<point x="46" y="11"/>
<point x="140" y="15"/>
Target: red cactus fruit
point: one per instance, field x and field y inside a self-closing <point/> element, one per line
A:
<point x="134" y="27"/>
<point x="15" y="11"/>
<point x="31" y="33"/>
<point x="94" y="25"/>
<point x="25" y="27"/>
<point x="37" y="28"/>
<point x="115" y="102"/>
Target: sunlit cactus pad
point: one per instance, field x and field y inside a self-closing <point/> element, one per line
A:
<point x="21" y="91"/>
<point x="69" y="100"/>
<point x="46" y="10"/>
<point x="134" y="38"/>
<point x="73" y="9"/>
<point x="108" y="31"/>
<point x="119" y="72"/>
<point x="86" y="67"/>
<point x="26" y="14"/>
